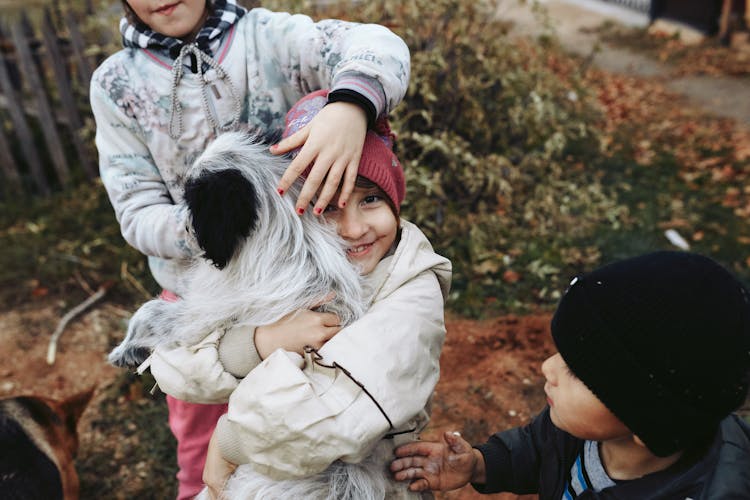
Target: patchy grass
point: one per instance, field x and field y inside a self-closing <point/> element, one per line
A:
<point x="68" y="245"/>
<point x="130" y="451"/>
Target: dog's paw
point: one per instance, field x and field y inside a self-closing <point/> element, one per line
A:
<point x="151" y="325"/>
<point x="124" y="356"/>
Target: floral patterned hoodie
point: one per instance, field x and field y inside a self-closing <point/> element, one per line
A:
<point x="155" y="116"/>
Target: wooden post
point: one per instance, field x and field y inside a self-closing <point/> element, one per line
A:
<point x="23" y="132"/>
<point x="67" y="98"/>
<point x="12" y="185"/>
<point x="46" y="118"/>
<point x="79" y="49"/>
<point x="726" y="14"/>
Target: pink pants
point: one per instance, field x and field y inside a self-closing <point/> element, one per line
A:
<point x="192" y="425"/>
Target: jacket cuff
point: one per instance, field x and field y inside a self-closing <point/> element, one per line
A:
<point x="237" y="352"/>
<point x="228" y="442"/>
<point x="367" y="87"/>
<point x="350" y="96"/>
<point x="191" y="240"/>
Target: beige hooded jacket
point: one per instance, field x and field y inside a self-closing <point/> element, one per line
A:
<point x="373" y="379"/>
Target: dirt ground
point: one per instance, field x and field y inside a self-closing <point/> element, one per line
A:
<point x="490" y="381"/>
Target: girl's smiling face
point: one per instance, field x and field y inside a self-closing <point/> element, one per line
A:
<point x="176" y="18"/>
<point x="368" y="225"/>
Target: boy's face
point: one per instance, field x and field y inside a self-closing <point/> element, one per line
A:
<point x="574" y="408"/>
<point x="175" y="18"/>
<point x="367" y="224"/>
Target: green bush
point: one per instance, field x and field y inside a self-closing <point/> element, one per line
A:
<point x="494" y="144"/>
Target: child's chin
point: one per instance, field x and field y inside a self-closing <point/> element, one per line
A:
<point x="556" y="421"/>
<point x="364" y="268"/>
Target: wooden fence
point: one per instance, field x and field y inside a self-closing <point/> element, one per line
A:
<point x="44" y="108"/>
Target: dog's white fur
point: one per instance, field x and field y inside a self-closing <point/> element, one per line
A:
<point x="367" y="480"/>
<point x="288" y="262"/>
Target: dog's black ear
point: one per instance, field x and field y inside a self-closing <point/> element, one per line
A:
<point x="224" y="209"/>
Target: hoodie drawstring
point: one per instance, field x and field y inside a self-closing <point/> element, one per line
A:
<point x="204" y="62"/>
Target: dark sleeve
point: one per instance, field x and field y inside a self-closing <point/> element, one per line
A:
<point x="347" y="95"/>
<point x="513" y="458"/>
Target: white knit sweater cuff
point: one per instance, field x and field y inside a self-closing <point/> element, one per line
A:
<point x="228" y="443"/>
<point x="237" y="352"/>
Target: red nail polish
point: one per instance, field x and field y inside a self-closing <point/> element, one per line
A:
<point x="300" y="211"/>
<point x="318" y="211"/>
<point x="281" y="191"/>
<point x="343" y="204"/>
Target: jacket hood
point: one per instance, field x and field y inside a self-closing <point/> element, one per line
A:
<point x="413" y="255"/>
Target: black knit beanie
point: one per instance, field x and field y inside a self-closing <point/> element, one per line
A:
<point x="663" y="340"/>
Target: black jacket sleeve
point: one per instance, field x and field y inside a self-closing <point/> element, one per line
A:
<point x="513" y="458"/>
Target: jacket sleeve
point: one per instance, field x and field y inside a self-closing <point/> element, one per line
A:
<point x="149" y="219"/>
<point x="366" y="58"/>
<point x="513" y="457"/>
<point x="207" y="372"/>
<point x="388" y="367"/>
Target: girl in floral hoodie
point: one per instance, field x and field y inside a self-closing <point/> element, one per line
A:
<point x="192" y="69"/>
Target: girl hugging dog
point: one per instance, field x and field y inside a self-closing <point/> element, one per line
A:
<point x="315" y="409"/>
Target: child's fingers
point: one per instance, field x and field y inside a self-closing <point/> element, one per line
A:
<point x="322" y="335"/>
<point x="312" y="183"/>
<point x="325" y="300"/>
<point x="330" y="187"/>
<point x="456" y="443"/>
<point x="324" y="319"/>
<point x="350" y="177"/>
<point x="331" y="332"/>
<point x="292" y="142"/>
<point x="411" y="474"/>
<point x="419" y="485"/>
<point x="295" y="169"/>
<point x="417" y="448"/>
<point x="330" y="320"/>
<point x="407" y="467"/>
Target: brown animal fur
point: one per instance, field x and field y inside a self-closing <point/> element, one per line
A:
<point x="34" y="427"/>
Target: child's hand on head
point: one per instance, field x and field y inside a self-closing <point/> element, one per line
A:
<point x="295" y="331"/>
<point x="438" y="466"/>
<point x="332" y="144"/>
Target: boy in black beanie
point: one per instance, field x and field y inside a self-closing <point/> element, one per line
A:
<point x="654" y="355"/>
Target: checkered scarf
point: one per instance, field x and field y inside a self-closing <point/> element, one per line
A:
<point x="223" y="14"/>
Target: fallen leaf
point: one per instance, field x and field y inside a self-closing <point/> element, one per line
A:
<point x="510" y="276"/>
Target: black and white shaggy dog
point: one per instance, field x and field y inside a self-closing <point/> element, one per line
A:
<point x="261" y="260"/>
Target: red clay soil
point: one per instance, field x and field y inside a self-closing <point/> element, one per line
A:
<point x="490" y="381"/>
<point x="490" y="377"/>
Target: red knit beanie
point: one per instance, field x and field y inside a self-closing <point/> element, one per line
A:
<point x="378" y="162"/>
